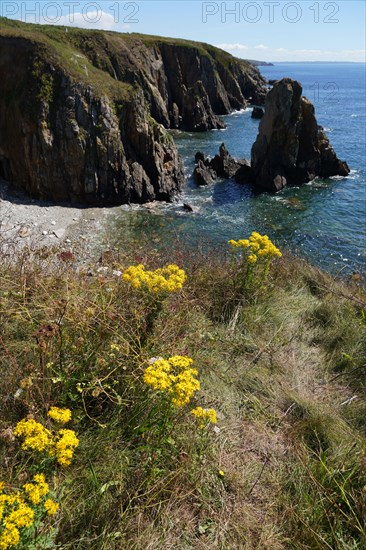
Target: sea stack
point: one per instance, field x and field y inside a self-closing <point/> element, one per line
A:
<point x="291" y="148"/>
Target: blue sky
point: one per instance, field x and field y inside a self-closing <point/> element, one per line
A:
<point x="269" y="30"/>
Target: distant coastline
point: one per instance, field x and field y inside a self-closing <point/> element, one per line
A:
<point x="314" y="62"/>
<point x="260" y="63"/>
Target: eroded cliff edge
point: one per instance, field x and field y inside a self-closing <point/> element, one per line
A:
<point x="84" y="114"/>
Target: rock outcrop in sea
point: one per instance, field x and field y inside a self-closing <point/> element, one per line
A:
<point x="291" y="148"/>
<point x="222" y="166"/>
<point x="84" y="115"/>
<point x="257" y="112"/>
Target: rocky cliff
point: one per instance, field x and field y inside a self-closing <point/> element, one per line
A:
<point x="84" y="114"/>
<point x="290" y="147"/>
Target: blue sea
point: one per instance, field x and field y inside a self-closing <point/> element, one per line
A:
<point x="323" y="221"/>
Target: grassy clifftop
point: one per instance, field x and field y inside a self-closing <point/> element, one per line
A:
<point x="56" y="33"/>
<point x="81" y="110"/>
<point x="280" y="358"/>
<point x="86" y="53"/>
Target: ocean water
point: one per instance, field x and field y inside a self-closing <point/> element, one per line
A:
<point x="323" y="221"/>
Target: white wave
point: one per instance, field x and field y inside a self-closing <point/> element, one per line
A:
<point x="241" y="111"/>
<point x="338" y="178"/>
<point x="353" y="175"/>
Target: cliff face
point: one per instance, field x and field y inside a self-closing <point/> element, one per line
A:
<point x="290" y="147"/>
<point x="83" y="115"/>
<point x="186" y="84"/>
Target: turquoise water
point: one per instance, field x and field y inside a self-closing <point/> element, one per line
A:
<point x="324" y="221"/>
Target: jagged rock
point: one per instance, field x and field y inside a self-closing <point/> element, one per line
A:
<point x="189" y="207"/>
<point x="97" y="132"/>
<point x="112" y="158"/>
<point x="224" y="164"/>
<point x="291" y="148"/>
<point x="257" y="112"/>
<point x="203" y="174"/>
<point x="199" y="156"/>
<point x="245" y="173"/>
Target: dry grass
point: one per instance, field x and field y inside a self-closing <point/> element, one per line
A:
<point x="278" y="365"/>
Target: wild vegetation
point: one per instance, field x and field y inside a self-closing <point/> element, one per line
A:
<point x="86" y="54"/>
<point x="213" y="399"/>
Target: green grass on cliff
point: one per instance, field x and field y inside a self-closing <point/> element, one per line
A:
<point x="54" y="45"/>
<point x="282" y="363"/>
<point x="86" y="54"/>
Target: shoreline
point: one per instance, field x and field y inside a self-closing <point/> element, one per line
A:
<point x="34" y="224"/>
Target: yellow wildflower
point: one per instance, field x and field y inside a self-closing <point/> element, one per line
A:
<point x="59" y="415"/>
<point x="23" y="517"/>
<point x="167" y="279"/>
<point x="36" y="436"/>
<point x="36" y="491"/>
<point x="9" y="537"/>
<point x="256" y="245"/>
<point x="51" y="507"/>
<point x="175" y="376"/>
<point x="64" y="447"/>
<point x="204" y="416"/>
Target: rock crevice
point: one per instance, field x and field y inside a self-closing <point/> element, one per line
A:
<point x="84" y="116"/>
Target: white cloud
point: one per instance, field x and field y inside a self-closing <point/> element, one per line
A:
<point x="232" y="47"/>
<point x="265" y="53"/>
<point x="89" y="20"/>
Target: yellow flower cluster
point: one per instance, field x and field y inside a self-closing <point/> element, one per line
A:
<point x="36" y="491"/>
<point x="257" y="246"/>
<point x="166" y="279"/>
<point x="175" y="376"/>
<point x="62" y="416"/>
<point x="65" y="446"/>
<point x="36" y="436"/>
<point x="16" y="510"/>
<point x="51" y="507"/>
<point x="204" y="416"/>
<point x="61" y="444"/>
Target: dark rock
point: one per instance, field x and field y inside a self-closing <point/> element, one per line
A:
<point x="103" y="139"/>
<point x="257" y="112"/>
<point x="290" y="148"/>
<point x="272" y="82"/>
<point x="245" y="173"/>
<point x="188" y="207"/>
<point x="203" y="174"/>
<point x="224" y="164"/>
<point x="199" y="156"/>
